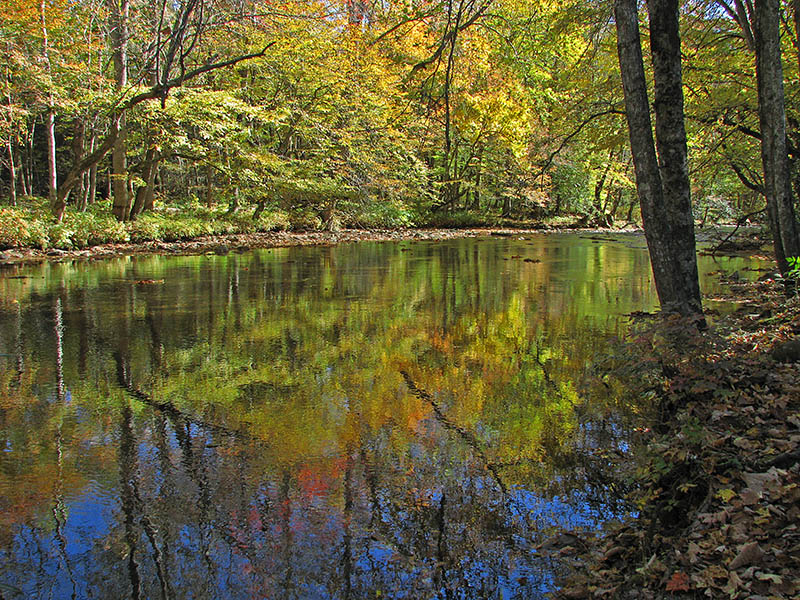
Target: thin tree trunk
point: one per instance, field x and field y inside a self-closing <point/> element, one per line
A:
<point x="52" y="178"/>
<point x="209" y="186"/>
<point x="12" y="174"/>
<point x="90" y="190"/>
<point x="27" y="165"/>
<point x="12" y="168"/>
<point x="78" y="144"/>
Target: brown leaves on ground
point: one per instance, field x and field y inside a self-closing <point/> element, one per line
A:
<point x="679" y="582"/>
<point x="734" y="433"/>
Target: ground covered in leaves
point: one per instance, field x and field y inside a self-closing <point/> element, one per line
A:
<point x="718" y="491"/>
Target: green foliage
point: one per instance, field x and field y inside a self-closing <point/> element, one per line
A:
<point x="342" y="126"/>
<point x="32" y="226"/>
<point x="24" y="227"/>
<point x="571" y="183"/>
<point x="794" y="267"/>
<point x="459" y="219"/>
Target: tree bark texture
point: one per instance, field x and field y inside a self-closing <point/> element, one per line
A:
<point x="12" y="174"/>
<point x="50" y="127"/>
<point x="662" y="181"/>
<point x="118" y="15"/>
<point x="772" y="120"/>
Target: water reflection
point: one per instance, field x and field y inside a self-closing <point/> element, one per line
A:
<point x="362" y="421"/>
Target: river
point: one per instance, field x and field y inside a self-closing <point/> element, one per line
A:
<point x="370" y="420"/>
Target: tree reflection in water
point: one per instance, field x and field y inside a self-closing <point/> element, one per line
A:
<point x="353" y="422"/>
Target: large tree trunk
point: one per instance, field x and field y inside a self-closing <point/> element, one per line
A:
<point x="665" y="47"/>
<point x="118" y="17"/>
<point x="663" y="189"/>
<point x="772" y="119"/>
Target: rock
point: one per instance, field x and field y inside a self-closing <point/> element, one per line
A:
<point x="786" y="352"/>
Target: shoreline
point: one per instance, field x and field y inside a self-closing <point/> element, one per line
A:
<point x="242" y="242"/>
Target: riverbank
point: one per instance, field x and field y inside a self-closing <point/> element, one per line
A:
<point x="242" y="242"/>
<point x="719" y="486"/>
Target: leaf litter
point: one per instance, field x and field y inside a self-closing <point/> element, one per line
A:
<point x="719" y="494"/>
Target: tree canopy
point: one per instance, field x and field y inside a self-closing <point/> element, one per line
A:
<point x="351" y="113"/>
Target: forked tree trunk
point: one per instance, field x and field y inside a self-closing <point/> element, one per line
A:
<point x="662" y="181"/>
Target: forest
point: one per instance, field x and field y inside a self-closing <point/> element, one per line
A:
<point x="489" y="411"/>
<point x="123" y="120"/>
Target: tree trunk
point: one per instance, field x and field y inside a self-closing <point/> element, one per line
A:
<point x="90" y="186"/>
<point x="92" y="194"/>
<point x="209" y="186"/>
<point x="52" y="180"/>
<point x="12" y="174"/>
<point x="118" y="15"/>
<point x="78" y="143"/>
<point x="663" y="189"/>
<point x="665" y="45"/>
<point x="772" y="120"/>
<point x="145" y="194"/>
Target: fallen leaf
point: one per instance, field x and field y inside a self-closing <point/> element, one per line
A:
<point x="613" y="553"/>
<point x="726" y="495"/>
<point x="771" y="577"/>
<point x="748" y="554"/>
<point x="734" y="583"/>
<point x="749" y="497"/>
<point x="757" y="481"/>
<point x="692" y="553"/>
<point x="679" y="582"/>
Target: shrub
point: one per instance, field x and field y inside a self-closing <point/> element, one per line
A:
<point x="458" y="220"/>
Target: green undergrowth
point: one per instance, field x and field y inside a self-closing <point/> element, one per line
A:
<point x="466" y="219"/>
<point x="32" y="226"/>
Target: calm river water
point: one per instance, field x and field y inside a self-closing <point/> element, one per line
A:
<point x="374" y="420"/>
